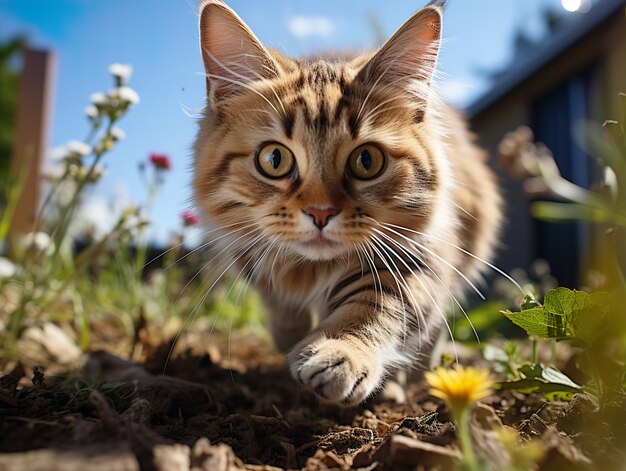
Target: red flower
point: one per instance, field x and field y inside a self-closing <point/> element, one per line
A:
<point x="190" y="219"/>
<point x="160" y="161"/>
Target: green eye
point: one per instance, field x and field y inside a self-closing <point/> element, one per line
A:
<point x="274" y="160"/>
<point x="367" y="162"/>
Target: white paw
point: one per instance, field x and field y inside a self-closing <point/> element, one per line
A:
<point x="336" y="370"/>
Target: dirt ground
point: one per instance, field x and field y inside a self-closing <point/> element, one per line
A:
<point x="232" y="406"/>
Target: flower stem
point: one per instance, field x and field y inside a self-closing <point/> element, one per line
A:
<point x="462" y="416"/>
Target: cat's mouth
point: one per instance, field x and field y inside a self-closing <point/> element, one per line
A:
<point x="319" y="241"/>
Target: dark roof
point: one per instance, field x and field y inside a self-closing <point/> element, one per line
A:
<point x="562" y="40"/>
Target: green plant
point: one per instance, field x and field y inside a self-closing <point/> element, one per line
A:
<point x="593" y="322"/>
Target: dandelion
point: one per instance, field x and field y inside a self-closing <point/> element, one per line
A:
<point x="461" y="388"/>
<point x="121" y="73"/>
<point x="160" y="161"/>
<point x="189" y="218"/>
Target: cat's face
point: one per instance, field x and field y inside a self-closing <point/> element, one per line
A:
<point x="309" y="157"/>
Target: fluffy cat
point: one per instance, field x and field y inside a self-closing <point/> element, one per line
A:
<point x="344" y="189"/>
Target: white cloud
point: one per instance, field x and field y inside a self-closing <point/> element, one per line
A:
<point x="455" y="92"/>
<point x="304" y="26"/>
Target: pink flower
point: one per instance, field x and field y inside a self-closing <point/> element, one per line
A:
<point x="160" y="161"/>
<point x="190" y="219"/>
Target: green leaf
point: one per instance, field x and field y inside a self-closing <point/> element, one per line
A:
<point x="564" y="301"/>
<point x="545" y="380"/>
<point x="529" y="302"/>
<point x="566" y="314"/>
<point x="560" y="212"/>
<point x="540" y="322"/>
<point x="593" y="140"/>
<point x="506" y="361"/>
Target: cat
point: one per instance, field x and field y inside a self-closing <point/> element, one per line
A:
<point x="345" y="191"/>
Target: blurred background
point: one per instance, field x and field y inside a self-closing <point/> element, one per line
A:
<point x="545" y="64"/>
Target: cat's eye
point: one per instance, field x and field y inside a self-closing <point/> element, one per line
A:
<point x="367" y="162"/>
<point x="274" y="160"/>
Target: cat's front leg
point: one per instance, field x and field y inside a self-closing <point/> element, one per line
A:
<point x="287" y="324"/>
<point x="346" y="358"/>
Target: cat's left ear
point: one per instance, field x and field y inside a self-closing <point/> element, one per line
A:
<point x="411" y="53"/>
<point x="233" y="56"/>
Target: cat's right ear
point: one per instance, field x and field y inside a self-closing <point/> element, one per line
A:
<point x="410" y="56"/>
<point x="233" y="56"/>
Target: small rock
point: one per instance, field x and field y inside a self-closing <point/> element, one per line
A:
<point x="405" y="451"/>
<point x="171" y="457"/>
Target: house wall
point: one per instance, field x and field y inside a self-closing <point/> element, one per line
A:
<point x="604" y="48"/>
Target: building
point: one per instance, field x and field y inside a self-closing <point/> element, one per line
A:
<point x="574" y="74"/>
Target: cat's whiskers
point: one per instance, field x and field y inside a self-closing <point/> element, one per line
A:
<point x="399" y="280"/>
<point x="419" y="313"/>
<point x="210" y="242"/>
<point x="200" y="234"/>
<point x="247" y="279"/>
<point x="421" y="280"/>
<point x="265" y="245"/>
<point x="372" y="264"/>
<point x="194" y="312"/>
<point x="467" y="252"/>
<point x="439" y="257"/>
<point x="204" y="267"/>
<point x="456" y="301"/>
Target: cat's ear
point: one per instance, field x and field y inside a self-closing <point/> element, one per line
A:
<point x="411" y="53"/>
<point x="233" y="56"/>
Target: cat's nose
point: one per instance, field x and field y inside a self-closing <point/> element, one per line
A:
<point x="321" y="216"/>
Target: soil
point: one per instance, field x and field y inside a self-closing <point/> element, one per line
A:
<point x="232" y="405"/>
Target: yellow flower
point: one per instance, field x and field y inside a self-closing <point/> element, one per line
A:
<point x="460" y="387"/>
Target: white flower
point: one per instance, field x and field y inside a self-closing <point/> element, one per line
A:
<point x="92" y="112"/>
<point x="99" y="99"/>
<point x="75" y="150"/>
<point x="97" y="173"/>
<point x="125" y="95"/>
<point x="121" y="72"/>
<point x="78" y="147"/>
<point x="54" y="172"/>
<point x="7" y="268"/>
<point x="39" y="241"/>
<point x="117" y="134"/>
<point x="59" y="153"/>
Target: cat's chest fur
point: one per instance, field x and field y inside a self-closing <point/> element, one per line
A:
<point x="302" y="283"/>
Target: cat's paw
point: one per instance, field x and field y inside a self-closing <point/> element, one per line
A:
<point x="336" y="370"/>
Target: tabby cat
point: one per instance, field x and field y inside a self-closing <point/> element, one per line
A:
<point x="346" y="192"/>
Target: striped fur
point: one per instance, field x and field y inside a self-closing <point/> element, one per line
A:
<point x="384" y="275"/>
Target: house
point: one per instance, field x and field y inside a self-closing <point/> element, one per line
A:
<point x="574" y="74"/>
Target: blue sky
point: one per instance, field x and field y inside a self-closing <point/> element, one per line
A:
<point x="160" y="39"/>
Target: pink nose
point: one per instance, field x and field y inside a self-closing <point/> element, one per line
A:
<point x="321" y="216"/>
